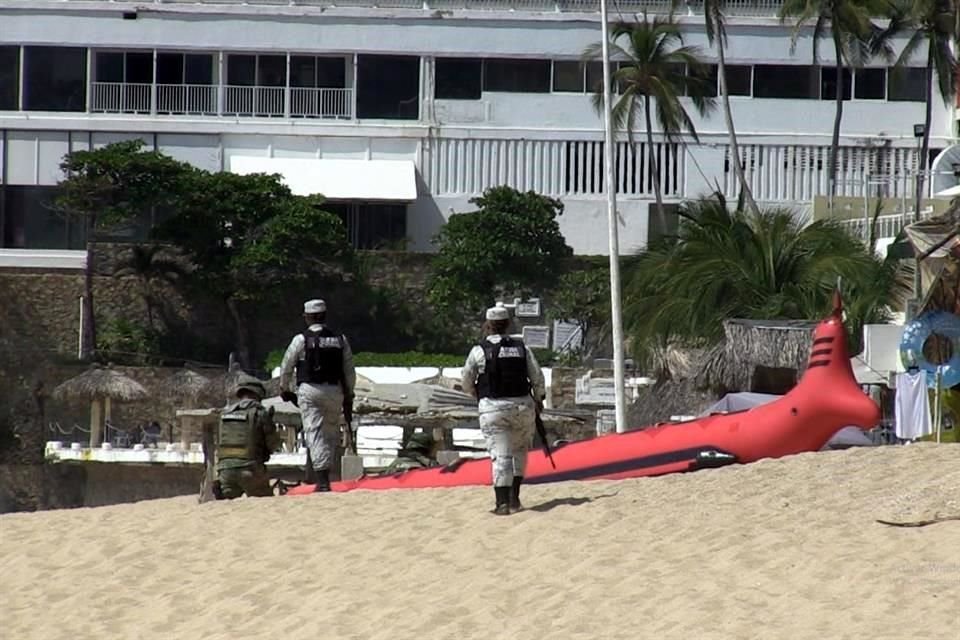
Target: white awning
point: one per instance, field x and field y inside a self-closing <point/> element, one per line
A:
<point x="393" y="180"/>
<point x="948" y="193"/>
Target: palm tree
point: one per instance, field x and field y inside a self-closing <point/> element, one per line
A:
<point x="854" y="38"/>
<point x="714" y="23"/>
<point x="934" y="21"/>
<point x="739" y="264"/>
<point x="658" y="69"/>
<point x="154" y="269"/>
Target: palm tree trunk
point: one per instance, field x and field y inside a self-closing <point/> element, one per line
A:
<point x="925" y="146"/>
<point x="728" y="115"/>
<point x="89" y="337"/>
<point x="835" y="143"/>
<point x="654" y="167"/>
<point x="242" y="334"/>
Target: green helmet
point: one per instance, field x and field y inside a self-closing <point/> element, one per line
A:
<point x="251" y="384"/>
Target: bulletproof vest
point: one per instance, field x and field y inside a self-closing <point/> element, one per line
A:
<point x="505" y="369"/>
<point x="238" y="424"/>
<point x="322" y="358"/>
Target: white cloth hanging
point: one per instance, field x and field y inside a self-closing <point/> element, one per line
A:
<point x="912" y="408"/>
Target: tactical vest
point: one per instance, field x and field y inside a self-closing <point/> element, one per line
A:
<point x="237" y="428"/>
<point x="505" y="369"/>
<point x="322" y="358"/>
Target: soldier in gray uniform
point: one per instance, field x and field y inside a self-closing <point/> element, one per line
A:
<point x="246" y="438"/>
<point x="323" y="386"/>
<point x="502" y="373"/>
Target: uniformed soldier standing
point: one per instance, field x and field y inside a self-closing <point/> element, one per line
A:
<point x="323" y="386"/>
<point x="502" y="373"/>
<point x="245" y="441"/>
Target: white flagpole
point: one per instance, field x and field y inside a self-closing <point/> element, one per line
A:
<point x="608" y="159"/>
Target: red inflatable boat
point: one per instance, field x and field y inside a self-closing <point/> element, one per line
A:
<point x="826" y="399"/>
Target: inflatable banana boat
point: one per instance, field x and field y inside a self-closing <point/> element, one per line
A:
<point x="826" y="399"/>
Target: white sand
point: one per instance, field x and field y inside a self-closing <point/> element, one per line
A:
<point x="784" y="549"/>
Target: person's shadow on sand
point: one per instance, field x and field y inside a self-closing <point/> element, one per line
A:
<point x="569" y="502"/>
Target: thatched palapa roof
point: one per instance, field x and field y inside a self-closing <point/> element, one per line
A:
<point x="100" y="382"/>
<point x="754" y="348"/>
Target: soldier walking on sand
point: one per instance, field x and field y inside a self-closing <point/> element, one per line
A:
<point x="502" y="373"/>
<point x="323" y="387"/>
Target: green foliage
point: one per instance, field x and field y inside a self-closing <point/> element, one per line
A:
<point x="510" y="244"/>
<point x="113" y="184"/>
<point x="403" y="359"/>
<point x="124" y="342"/>
<point x="582" y="297"/>
<point x="739" y="265"/>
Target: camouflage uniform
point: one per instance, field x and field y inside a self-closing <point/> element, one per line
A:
<point x="247" y="436"/>
<point x="414" y="455"/>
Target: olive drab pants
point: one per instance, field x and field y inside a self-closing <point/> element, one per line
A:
<point x="321" y="411"/>
<point x="251" y="479"/>
<point x="508" y="425"/>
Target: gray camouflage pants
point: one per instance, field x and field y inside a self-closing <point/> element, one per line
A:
<point x="321" y="411"/>
<point x="509" y="433"/>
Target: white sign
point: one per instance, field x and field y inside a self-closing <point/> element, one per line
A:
<point x="595" y="391"/>
<point x="529" y="309"/>
<point x="567" y="336"/>
<point x="606" y="421"/>
<point x="536" y="337"/>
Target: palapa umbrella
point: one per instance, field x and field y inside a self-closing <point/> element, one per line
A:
<point x="100" y="386"/>
<point x="187" y="385"/>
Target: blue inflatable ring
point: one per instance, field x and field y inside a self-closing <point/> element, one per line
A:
<point x="916" y="333"/>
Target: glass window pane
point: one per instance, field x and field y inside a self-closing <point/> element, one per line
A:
<point x="388" y="87"/>
<point x="139" y="67"/>
<point x="739" y="79"/>
<point x="907" y="85"/>
<point x="595" y="77"/>
<point x="198" y="68"/>
<point x="786" y="81"/>
<point x="169" y="68"/>
<point x="871" y="84"/>
<point x="514" y="75"/>
<point x="828" y="83"/>
<point x="303" y="71"/>
<point x="108" y="66"/>
<point x="241" y="70"/>
<point x="332" y="73"/>
<point x="55" y="79"/>
<point x="9" y="78"/>
<point x="568" y="76"/>
<point x="271" y="71"/>
<point x="458" y="79"/>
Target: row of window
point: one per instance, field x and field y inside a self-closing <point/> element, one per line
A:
<point x="468" y="78"/>
<point x="55" y="78"/>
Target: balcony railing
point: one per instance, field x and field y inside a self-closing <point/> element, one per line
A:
<point x="732" y="8"/>
<point x="196" y="99"/>
<point x="886" y="227"/>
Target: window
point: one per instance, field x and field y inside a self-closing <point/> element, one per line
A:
<point x="458" y="79"/>
<point x="55" y="79"/>
<point x="132" y="67"/>
<point x="516" y="76"/>
<point x="312" y="72"/>
<point x="870" y="84"/>
<point x="828" y="83"/>
<point x="739" y="79"/>
<point x="179" y="68"/>
<point x="108" y="66"/>
<point x="241" y="70"/>
<point x="907" y="85"/>
<point x="710" y="83"/>
<point x="9" y="78"/>
<point x="28" y="221"/>
<point x="568" y="76"/>
<point x="388" y="87"/>
<point x="595" y="77"/>
<point x="139" y="67"/>
<point x="786" y="81"/>
<point x="372" y="225"/>
<point x="271" y="71"/>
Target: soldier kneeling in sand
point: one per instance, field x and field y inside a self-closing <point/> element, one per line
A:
<point x="247" y="436"/>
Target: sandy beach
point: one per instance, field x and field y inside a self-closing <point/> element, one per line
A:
<point x="781" y="549"/>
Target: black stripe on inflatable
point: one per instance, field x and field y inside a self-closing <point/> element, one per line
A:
<point x="632" y="464"/>
<point x="821" y="352"/>
<point x="823" y="340"/>
<point x="818" y="363"/>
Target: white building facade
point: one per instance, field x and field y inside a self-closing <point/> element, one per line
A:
<point x="432" y="102"/>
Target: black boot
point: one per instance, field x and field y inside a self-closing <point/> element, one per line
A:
<point x="515" y="494"/>
<point x="503" y="501"/>
<point x="323" y="481"/>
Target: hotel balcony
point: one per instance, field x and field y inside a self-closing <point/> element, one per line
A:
<point x="221" y="100"/>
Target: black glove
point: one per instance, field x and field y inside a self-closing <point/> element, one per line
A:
<point x="289" y="396"/>
<point x="348" y="409"/>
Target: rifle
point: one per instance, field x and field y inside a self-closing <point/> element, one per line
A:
<point x="542" y="432"/>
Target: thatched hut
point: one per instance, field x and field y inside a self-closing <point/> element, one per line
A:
<point x="764" y="356"/>
<point x="101" y="386"/>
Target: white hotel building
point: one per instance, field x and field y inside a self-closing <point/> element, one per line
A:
<point x="400" y="111"/>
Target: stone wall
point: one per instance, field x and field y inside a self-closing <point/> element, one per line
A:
<point x="63" y="486"/>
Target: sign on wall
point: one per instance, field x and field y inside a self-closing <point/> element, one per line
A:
<point x="567" y="336"/>
<point x="529" y="309"/>
<point x="536" y="337"/>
